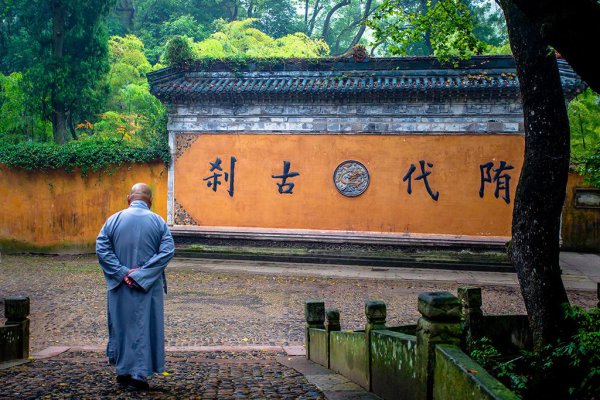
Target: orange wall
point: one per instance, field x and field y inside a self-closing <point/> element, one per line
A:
<point x="580" y="226"/>
<point x="56" y="210"/>
<point x="316" y="204"/>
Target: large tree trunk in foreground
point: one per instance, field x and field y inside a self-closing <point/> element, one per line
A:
<point x="542" y="185"/>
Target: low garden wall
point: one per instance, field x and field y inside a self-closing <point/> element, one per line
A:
<point x="62" y="212"/>
<point x="396" y="364"/>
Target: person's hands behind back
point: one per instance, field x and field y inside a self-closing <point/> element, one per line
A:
<point x="130" y="282"/>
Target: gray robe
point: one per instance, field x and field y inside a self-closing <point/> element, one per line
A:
<point x="132" y="238"/>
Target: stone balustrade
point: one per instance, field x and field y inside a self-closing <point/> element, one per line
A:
<point x="416" y="363"/>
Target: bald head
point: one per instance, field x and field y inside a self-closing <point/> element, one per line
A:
<point x="140" y="191"/>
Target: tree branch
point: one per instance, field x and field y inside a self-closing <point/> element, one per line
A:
<point x="327" y="23"/>
<point x="316" y="10"/>
<point x="363" y="26"/>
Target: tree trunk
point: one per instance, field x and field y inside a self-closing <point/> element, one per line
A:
<point x="311" y="25"/>
<point x="361" y="29"/>
<point x="306" y="12"/>
<point x="59" y="115"/>
<point x="542" y="185"/>
<point x="424" y="7"/>
<point x="125" y="11"/>
<point x="250" y="12"/>
<point x="327" y="23"/>
<point x="72" y="128"/>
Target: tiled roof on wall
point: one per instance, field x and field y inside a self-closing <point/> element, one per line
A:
<point x="322" y="79"/>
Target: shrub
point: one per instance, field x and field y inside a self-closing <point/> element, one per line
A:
<point x="88" y="154"/>
<point x="575" y="363"/>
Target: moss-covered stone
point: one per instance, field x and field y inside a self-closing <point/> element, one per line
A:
<point x="458" y="377"/>
<point x="393" y="359"/>
<point x="318" y="346"/>
<point x="349" y="356"/>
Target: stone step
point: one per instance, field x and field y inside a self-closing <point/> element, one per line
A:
<point x="457" y="260"/>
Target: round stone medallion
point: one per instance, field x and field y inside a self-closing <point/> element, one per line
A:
<point x="351" y="178"/>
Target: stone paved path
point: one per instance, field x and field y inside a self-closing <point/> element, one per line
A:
<point x="85" y="375"/>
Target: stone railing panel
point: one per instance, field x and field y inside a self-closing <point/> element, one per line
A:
<point x="458" y="377"/>
<point x="349" y="356"/>
<point x="393" y="362"/>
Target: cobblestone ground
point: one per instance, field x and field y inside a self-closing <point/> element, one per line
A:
<point x="85" y="375"/>
<point x="203" y="307"/>
<point x="68" y="302"/>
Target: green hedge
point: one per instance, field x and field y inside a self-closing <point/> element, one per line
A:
<point x="90" y="154"/>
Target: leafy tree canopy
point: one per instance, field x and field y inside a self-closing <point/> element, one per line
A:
<point x="584" y="118"/>
<point x="444" y="28"/>
<point x="239" y="39"/>
<point x="61" y="49"/>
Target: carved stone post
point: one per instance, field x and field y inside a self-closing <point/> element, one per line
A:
<point x="439" y="324"/>
<point x="332" y="325"/>
<point x="14" y="341"/>
<point x="470" y="298"/>
<point x="376" y="312"/>
<point x="314" y="313"/>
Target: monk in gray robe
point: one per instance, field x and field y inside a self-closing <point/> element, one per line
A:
<point x="134" y="248"/>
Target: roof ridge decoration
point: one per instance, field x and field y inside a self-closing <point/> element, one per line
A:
<point x="406" y="78"/>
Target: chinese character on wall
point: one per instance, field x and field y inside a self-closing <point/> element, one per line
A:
<point x="500" y="178"/>
<point x="285" y="187"/>
<point x="423" y="176"/>
<point x="213" y="181"/>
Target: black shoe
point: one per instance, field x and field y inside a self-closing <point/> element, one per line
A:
<point x="123" y="380"/>
<point x="136" y="384"/>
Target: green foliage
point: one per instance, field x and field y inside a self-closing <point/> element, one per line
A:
<point x="590" y="168"/>
<point x="485" y="354"/>
<point x="17" y="121"/>
<point x="86" y="155"/>
<point x="62" y="73"/>
<point x="575" y="363"/>
<point x="277" y="18"/>
<point x="584" y="119"/>
<point x="178" y="52"/>
<point x="581" y="353"/>
<point x="156" y="21"/>
<point x="184" y="25"/>
<point x="489" y="23"/>
<point x="503" y="49"/>
<point x="239" y="40"/>
<point x="133" y="113"/>
<point x="445" y="27"/>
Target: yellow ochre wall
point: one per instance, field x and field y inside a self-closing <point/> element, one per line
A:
<point x="316" y="204"/>
<point x="58" y="211"/>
